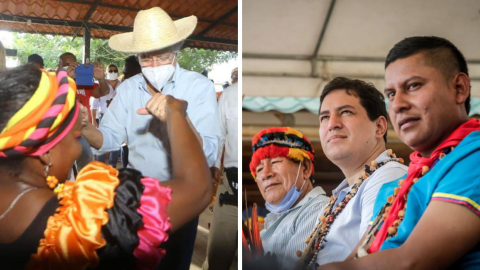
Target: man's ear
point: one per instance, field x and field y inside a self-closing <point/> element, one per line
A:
<point x="381" y="127"/>
<point x="462" y="87"/>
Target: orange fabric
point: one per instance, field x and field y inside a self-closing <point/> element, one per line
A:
<point x="73" y="234"/>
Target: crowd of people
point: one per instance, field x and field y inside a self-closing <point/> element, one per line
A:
<point x="62" y="206"/>
<point x="366" y="223"/>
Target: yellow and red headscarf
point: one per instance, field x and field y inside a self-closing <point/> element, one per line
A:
<point x="44" y="120"/>
<point x="280" y="142"/>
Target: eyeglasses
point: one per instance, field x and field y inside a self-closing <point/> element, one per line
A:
<point x="113" y="71"/>
<point x="162" y="60"/>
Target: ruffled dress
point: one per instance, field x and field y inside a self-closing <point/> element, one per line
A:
<point x="107" y="219"/>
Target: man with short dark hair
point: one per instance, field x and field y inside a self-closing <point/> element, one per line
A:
<point x="428" y="88"/>
<point x="36" y="60"/>
<point x="353" y="134"/>
<point x="131" y="67"/>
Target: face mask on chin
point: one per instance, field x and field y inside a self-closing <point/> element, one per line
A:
<point x="159" y="76"/>
<point x="112" y="76"/>
<point x="289" y="200"/>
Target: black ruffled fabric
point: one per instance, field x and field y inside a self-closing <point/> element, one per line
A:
<point x="120" y="232"/>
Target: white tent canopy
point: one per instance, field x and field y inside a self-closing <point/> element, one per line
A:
<point x="293" y="48"/>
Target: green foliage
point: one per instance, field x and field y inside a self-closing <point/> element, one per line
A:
<point x="201" y="59"/>
<point x="51" y="47"/>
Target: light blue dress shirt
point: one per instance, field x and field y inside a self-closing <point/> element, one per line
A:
<point x="149" y="147"/>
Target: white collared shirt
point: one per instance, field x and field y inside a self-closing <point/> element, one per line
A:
<point x="228" y="111"/>
<point x="350" y="225"/>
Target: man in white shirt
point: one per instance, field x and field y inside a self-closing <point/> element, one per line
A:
<point x="353" y="134"/>
<point x="222" y="238"/>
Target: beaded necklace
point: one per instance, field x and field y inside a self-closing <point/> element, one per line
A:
<point x="317" y="236"/>
<point x="392" y="230"/>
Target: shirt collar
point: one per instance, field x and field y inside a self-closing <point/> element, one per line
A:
<point x="310" y="195"/>
<point x="317" y="191"/>
<point x="344" y="184"/>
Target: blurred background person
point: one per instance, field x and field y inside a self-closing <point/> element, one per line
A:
<point x="222" y="238"/>
<point x="35" y="59"/>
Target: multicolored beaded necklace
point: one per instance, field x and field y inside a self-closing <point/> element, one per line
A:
<point x="392" y="230"/>
<point x="317" y="236"/>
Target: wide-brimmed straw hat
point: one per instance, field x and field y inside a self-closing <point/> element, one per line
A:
<point x="153" y="30"/>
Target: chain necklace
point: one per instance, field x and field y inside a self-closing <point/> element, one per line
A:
<point x="317" y="236"/>
<point x="15" y="201"/>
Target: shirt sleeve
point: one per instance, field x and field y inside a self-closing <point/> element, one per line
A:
<point x="112" y="125"/>
<point x="204" y="117"/>
<point x="460" y="178"/>
<point x="94" y="102"/>
<point x="223" y="129"/>
<point x="370" y="193"/>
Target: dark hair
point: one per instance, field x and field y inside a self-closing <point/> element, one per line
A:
<point x="17" y="86"/>
<point x="370" y="98"/>
<point x="132" y="67"/>
<point x="67" y="53"/>
<point x="112" y="65"/>
<point x="438" y="52"/>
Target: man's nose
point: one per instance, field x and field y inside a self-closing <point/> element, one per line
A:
<point x="334" y="122"/>
<point x="267" y="171"/>
<point x="398" y="103"/>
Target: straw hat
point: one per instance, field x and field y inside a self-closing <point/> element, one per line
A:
<point x="153" y="30"/>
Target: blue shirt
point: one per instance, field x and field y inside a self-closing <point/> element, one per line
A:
<point x="455" y="179"/>
<point x="149" y="147"/>
<point x="350" y="225"/>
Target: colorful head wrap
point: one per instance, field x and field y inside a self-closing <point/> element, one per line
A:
<point x="44" y="120"/>
<point x="280" y="142"/>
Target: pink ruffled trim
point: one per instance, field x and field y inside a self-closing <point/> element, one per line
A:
<point x="156" y="223"/>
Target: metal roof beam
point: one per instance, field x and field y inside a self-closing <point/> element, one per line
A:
<point x="324" y="28"/>
<point x="86" y="18"/>
<point x="217" y="22"/>
<point x="314" y="72"/>
<point x="91" y="10"/>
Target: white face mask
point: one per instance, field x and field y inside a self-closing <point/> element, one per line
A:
<point x="159" y="76"/>
<point x="112" y="76"/>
